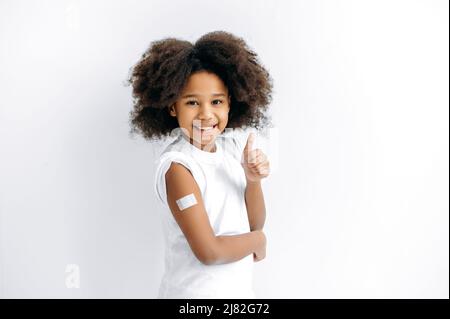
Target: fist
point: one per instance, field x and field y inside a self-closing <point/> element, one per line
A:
<point x="254" y="161"/>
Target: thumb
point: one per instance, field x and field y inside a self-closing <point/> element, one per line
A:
<point x="250" y="141"/>
<point x="249" y="145"/>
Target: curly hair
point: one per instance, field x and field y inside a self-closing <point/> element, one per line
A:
<point x="160" y="75"/>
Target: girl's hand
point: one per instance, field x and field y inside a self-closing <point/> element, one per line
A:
<point x="255" y="163"/>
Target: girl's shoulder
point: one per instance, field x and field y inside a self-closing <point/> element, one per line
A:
<point x="169" y="152"/>
<point x="163" y="164"/>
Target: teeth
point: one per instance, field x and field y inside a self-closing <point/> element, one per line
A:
<point x="205" y="128"/>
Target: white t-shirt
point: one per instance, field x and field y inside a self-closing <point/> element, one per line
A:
<point x="222" y="183"/>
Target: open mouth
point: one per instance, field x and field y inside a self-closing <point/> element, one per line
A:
<point x="206" y="129"/>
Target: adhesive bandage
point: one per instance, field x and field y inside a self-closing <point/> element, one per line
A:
<point x="186" y="201"/>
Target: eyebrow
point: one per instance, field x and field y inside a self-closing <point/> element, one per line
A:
<point x="194" y="95"/>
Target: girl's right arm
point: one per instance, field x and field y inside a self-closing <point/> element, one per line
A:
<point x="194" y="223"/>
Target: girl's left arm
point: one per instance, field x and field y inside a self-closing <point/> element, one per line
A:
<point x="256" y="167"/>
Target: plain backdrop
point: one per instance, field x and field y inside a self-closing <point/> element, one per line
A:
<point x="357" y="201"/>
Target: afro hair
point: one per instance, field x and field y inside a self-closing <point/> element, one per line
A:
<point x="159" y="76"/>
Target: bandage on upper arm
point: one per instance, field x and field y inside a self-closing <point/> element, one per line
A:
<point x="185" y="188"/>
<point x="186" y="201"/>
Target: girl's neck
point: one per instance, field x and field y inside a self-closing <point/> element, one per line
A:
<point x="204" y="148"/>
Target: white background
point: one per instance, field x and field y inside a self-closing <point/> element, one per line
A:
<point x="357" y="202"/>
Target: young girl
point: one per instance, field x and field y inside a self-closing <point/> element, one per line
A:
<point x="209" y="181"/>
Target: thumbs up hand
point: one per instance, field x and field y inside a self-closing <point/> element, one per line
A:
<point x="254" y="161"/>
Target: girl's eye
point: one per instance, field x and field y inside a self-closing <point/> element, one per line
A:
<point x="190" y="102"/>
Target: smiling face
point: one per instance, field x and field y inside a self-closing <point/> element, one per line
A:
<point x="202" y="109"/>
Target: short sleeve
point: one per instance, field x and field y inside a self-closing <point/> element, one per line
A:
<point x="163" y="166"/>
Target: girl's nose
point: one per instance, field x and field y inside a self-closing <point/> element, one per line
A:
<point x="205" y="113"/>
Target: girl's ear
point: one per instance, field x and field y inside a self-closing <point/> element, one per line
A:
<point x="172" y="110"/>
